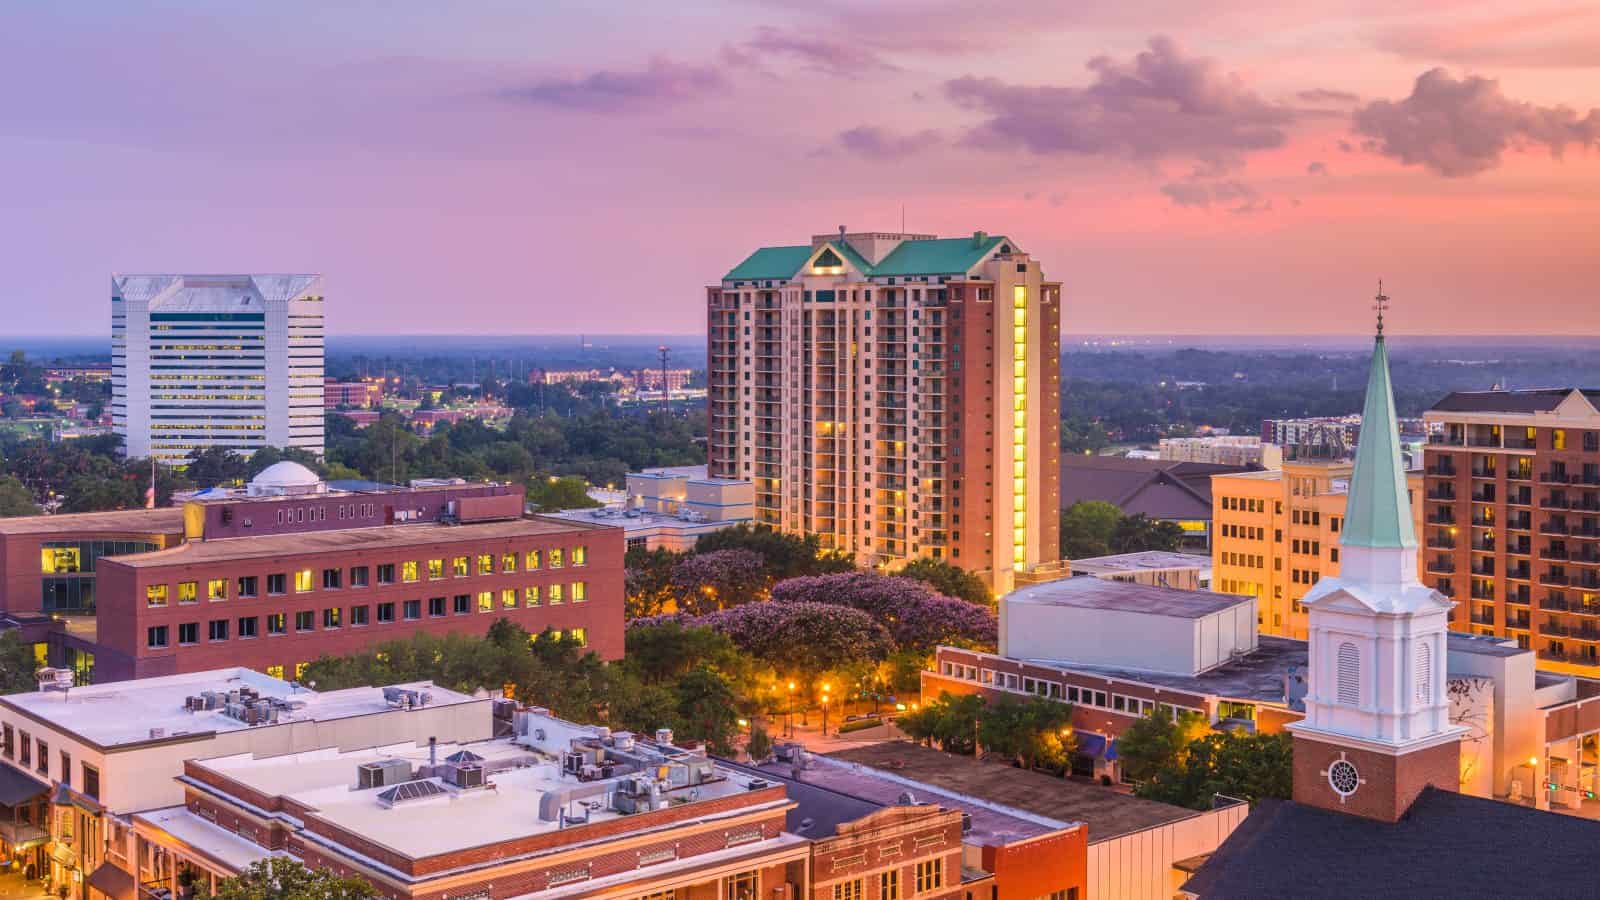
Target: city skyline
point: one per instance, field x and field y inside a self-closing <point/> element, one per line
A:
<point x="1262" y="165"/>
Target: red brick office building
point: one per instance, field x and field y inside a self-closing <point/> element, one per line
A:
<point x="289" y="569"/>
<point x="272" y="603"/>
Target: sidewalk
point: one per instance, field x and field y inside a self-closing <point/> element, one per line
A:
<point x="13" y="887"/>
<point x="811" y="737"/>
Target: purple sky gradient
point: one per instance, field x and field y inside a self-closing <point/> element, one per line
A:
<point x="562" y="167"/>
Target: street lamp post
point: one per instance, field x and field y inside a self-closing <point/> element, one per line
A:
<point x="788" y="715"/>
<point x="825" y="689"/>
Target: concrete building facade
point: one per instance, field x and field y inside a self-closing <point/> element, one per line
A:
<point x="897" y="395"/>
<point x="227" y="361"/>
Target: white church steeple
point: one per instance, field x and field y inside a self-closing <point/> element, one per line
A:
<point x="1378" y="636"/>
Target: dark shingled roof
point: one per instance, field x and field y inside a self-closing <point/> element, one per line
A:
<point x="1446" y="845"/>
<point x="1159" y="488"/>
<point x="818" y="810"/>
<point x="1107" y="813"/>
<point x="1541" y="400"/>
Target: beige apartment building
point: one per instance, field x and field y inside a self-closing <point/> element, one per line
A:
<point x="1275" y="534"/>
<point x="897" y="395"/>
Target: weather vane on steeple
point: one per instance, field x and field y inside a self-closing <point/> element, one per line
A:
<point x="1381" y="305"/>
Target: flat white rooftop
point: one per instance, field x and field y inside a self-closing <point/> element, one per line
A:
<point x="640" y="523"/>
<point x="1089" y="593"/>
<point x="126" y="712"/>
<point x="506" y="808"/>
<point x="1142" y="561"/>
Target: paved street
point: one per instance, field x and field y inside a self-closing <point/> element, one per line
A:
<point x="12" y="887"/>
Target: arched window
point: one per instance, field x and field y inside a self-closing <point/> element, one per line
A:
<point x="1349" y="674"/>
<point x="1424" y="673"/>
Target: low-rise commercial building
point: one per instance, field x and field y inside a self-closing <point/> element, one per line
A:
<point x="555" y="810"/>
<point x="76" y="764"/>
<point x="882" y="831"/>
<point x="671" y="507"/>
<point x="364" y="394"/>
<point x="1132" y="848"/>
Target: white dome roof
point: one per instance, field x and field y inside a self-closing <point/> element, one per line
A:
<point x="286" y="474"/>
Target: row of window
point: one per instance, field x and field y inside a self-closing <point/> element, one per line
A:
<point x="1055" y="690"/>
<point x="159" y="636"/>
<point x="1244" y="532"/>
<point x="37" y="749"/>
<point x="929" y="876"/>
<point x="1239" y="587"/>
<point x="1248" y="560"/>
<point x="408" y="572"/>
<point x="1244" y="504"/>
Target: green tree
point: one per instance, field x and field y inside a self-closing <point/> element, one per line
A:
<point x="1086" y="528"/>
<point x="17" y="665"/>
<point x="556" y="493"/>
<point x="787" y="555"/>
<point x="1138" y="533"/>
<point x="647" y="586"/>
<point x="1236" y="763"/>
<point x="213" y="466"/>
<point x="706" y="709"/>
<point x="1082" y="435"/>
<point x="950" y="580"/>
<point x="669" y="651"/>
<point x="1034" y="732"/>
<point x="1156" y="742"/>
<point x="760" y="744"/>
<point x="949" y="722"/>
<point x="92" y="493"/>
<point x="15" y="499"/>
<point x="276" y="878"/>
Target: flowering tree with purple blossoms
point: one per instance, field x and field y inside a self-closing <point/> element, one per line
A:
<point x="719" y="579"/>
<point x="799" y="637"/>
<point x="916" y="616"/>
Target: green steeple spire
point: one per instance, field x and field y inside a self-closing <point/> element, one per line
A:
<point x="1378" y="513"/>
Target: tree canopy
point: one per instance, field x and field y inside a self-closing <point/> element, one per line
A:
<point x="277" y="878"/>
<point x="1235" y="763"/>
<point x="950" y="580"/>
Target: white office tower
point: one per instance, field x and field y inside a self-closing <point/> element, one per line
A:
<point x="230" y="361"/>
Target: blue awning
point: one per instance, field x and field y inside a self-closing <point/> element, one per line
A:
<point x="1090" y="743"/>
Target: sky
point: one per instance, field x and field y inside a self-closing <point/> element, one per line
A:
<point x="554" y="167"/>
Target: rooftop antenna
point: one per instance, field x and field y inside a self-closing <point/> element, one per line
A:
<point x="902" y="218"/>
<point x="1381" y="305"/>
<point x="666" y="393"/>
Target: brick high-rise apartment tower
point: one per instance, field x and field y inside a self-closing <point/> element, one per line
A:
<point x="898" y="395"/>
<point x="1512" y="530"/>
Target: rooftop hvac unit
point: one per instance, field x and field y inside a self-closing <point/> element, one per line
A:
<point x="382" y="772"/>
<point x="663" y="735"/>
<point x="468" y="776"/>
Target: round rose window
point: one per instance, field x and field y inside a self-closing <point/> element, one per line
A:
<point x="1344" y="778"/>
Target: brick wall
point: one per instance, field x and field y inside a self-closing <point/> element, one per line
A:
<point x="1388" y="783"/>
